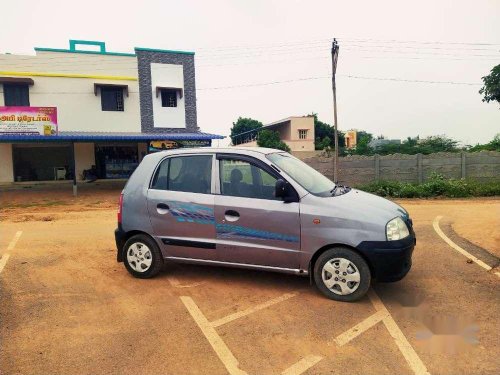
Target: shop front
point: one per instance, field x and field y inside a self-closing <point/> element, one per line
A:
<point x="116" y="160"/>
<point x="77" y="155"/>
<point x="41" y="162"/>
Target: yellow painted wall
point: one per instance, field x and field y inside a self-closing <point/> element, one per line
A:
<point x="78" y="108"/>
<point x="6" y="165"/>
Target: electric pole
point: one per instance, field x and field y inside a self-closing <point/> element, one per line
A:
<point x="335" y="56"/>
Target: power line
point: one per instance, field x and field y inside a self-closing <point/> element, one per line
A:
<point x="369" y="40"/>
<point x="288" y="81"/>
<point x="303" y="46"/>
<point x="410" y="80"/>
<point x="339" y="75"/>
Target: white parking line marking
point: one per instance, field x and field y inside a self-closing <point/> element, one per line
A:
<point x="438" y="230"/>
<point x="303" y="365"/>
<point x="404" y="346"/>
<point x="176" y="283"/>
<point x="358" y="329"/>
<point x="13" y="242"/>
<point x="240" y="314"/>
<point x="218" y="345"/>
<point x="3" y="261"/>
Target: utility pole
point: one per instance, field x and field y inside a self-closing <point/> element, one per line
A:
<point x="335" y="56"/>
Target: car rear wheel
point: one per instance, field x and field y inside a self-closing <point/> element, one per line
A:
<point x="342" y="274"/>
<point x="142" y="257"/>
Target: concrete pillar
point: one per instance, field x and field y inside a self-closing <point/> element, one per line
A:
<point x="6" y="163"/>
<point x="420" y="169"/>
<point x="463" y="155"/>
<point x="73" y="169"/>
<point x="377" y="167"/>
<point x="84" y="158"/>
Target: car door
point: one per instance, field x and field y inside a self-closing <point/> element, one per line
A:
<point x="252" y="226"/>
<point x="181" y="206"/>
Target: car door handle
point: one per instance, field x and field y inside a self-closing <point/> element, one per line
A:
<point x="231" y="215"/>
<point x="162" y="208"/>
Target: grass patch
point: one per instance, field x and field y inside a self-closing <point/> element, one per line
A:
<point x="436" y="186"/>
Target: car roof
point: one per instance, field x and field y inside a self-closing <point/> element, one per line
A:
<point x="226" y="150"/>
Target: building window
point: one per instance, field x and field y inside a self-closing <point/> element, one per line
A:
<point x="302" y="133"/>
<point x="16" y="95"/>
<point x="112" y="99"/>
<point x="168" y="98"/>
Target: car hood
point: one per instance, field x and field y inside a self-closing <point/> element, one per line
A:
<point x="364" y="206"/>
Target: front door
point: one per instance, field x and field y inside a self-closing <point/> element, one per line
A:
<point x="254" y="227"/>
<point x="181" y="207"/>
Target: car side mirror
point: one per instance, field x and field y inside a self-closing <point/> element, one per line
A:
<point x="282" y="189"/>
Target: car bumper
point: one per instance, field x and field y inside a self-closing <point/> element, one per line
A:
<point x="120" y="242"/>
<point x="389" y="260"/>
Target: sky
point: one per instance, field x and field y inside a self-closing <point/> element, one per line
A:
<point x="269" y="60"/>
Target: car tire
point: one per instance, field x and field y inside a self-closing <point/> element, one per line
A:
<point x="142" y="256"/>
<point x="342" y="274"/>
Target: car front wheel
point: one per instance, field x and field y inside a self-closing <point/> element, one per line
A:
<point x="342" y="274"/>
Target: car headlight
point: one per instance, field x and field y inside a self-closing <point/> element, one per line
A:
<point x="396" y="229"/>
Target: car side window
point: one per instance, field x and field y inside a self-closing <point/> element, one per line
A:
<point x="191" y="174"/>
<point x="240" y="178"/>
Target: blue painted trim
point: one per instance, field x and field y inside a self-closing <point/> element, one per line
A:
<point x="103" y="137"/>
<point x="162" y="50"/>
<point x="73" y="43"/>
<point x="85" y="52"/>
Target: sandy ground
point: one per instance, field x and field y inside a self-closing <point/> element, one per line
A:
<point x="68" y="307"/>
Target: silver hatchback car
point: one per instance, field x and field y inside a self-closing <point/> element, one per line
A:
<point x="261" y="209"/>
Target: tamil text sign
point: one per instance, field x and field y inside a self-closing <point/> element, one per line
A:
<point x="28" y="120"/>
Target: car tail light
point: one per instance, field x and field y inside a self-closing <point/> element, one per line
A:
<point x="120" y="207"/>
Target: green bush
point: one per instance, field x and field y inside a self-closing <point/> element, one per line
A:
<point x="435" y="186"/>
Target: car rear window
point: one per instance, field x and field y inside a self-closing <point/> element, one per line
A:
<point x="192" y="174"/>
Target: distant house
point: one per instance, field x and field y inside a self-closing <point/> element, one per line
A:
<point x="351" y="138"/>
<point x="376" y="143"/>
<point x="296" y="131"/>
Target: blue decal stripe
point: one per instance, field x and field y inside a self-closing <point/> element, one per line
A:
<point x="235" y="231"/>
<point x="199" y="214"/>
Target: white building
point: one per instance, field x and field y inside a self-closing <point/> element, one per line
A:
<point x="110" y="108"/>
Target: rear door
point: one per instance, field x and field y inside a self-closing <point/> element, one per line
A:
<point x="181" y="206"/>
<point x="254" y="227"/>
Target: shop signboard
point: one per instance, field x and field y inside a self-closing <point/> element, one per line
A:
<point x="28" y="121"/>
<point x="168" y="145"/>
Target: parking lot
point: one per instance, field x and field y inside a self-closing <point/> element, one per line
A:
<point x="68" y="307"/>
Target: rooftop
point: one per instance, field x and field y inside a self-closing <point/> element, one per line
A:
<point x="102" y="49"/>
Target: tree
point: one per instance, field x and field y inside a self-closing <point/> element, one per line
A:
<point x="437" y="143"/>
<point x="491" y="88"/>
<point x="271" y="139"/>
<point x="321" y="144"/>
<point x="323" y="130"/>
<point x="362" y="147"/>
<point x="493" y="145"/>
<point x="244" y="124"/>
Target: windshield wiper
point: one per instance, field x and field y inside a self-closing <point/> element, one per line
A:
<point x="342" y="189"/>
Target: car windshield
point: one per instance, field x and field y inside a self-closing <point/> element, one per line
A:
<point x="310" y="179"/>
